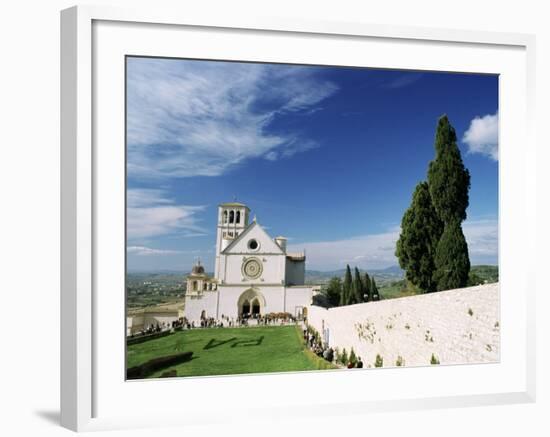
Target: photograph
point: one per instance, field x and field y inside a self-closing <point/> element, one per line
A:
<point x="289" y="217"/>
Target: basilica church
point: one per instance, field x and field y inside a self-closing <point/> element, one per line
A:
<point x="254" y="274"/>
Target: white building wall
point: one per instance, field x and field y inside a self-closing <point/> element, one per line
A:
<point x="297" y="298"/>
<point x="271" y="273"/>
<point x="225" y="301"/>
<point x="194" y="306"/>
<point x="457" y="326"/>
<point x="138" y="322"/>
<point x="229" y="297"/>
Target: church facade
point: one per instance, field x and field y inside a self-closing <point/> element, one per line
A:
<point x="254" y="274"/>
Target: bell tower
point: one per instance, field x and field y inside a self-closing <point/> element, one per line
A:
<point x="232" y="220"/>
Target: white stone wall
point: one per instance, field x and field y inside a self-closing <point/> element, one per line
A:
<point x="138" y="322"/>
<point x="297" y="298"/>
<point x="194" y="306"/>
<point x="457" y="326"/>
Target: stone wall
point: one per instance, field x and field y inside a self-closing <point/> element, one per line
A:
<point x="456" y="326"/>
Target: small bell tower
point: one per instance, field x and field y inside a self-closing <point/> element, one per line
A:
<point x="232" y="220"/>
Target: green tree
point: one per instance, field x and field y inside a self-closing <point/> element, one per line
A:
<point x="346" y="287"/>
<point x="452" y="263"/>
<point x="358" y="288"/>
<point x="475" y="279"/>
<point x="352" y="357"/>
<point x="344" y="357"/>
<point x="367" y="293"/>
<point x="334" y="291"/>
<point x="421" y="229"/>
<point x="374" y="290"/>
<point x="448" y="179"/>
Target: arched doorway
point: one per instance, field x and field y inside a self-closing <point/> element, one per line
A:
<point x="245" y="308"/>
<point x="255" y="307"/>
<point x="251" y="303"/>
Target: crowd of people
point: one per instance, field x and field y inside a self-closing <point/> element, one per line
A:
<point x="231" y="322"/>
<point x="152" y="329"/>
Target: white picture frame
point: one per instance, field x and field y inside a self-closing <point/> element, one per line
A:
<point x="84" y="392"/>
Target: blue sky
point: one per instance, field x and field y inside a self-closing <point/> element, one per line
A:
<point x="327" y="156"/>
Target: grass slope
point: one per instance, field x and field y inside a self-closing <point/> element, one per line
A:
<point x="231" y="351"/>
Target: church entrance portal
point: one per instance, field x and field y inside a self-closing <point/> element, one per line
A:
<point x="251" y="303"/>
<point x="255" y="307"/>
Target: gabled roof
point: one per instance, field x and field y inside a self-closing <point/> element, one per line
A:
<point x="253" y="225"/>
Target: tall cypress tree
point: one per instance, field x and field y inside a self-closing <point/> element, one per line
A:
<point x="448" y="179"/>
<point x="367" y="288"/>
<point x="357" y="287"/>
<point x="449" y="183"/>
<point x="346" y="287"/>
<point x="421" y="229"/>
<point x="452" y="263"/>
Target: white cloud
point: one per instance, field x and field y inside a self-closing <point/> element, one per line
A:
<point x="482" y="238"/>
<point x="150" y="213"/>
<point x="191" y="118"/>
<point x="405" y="79"/>
<point x="372" y="251"/>
<point x="377" y="251"/>
<point x="482" y="136"/>
<point x="148" y="251"/>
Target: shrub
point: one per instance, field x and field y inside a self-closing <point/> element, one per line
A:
<point x="379" y="361"/>
<point x="352" y="357"/>
<point x="149" y="367"/>
<point x="434" y="360"/>
<point x="470" y="312"/>
<point x="344" y="357"/>
<point x="399" y="362"/>
<point x="146" y="337"/>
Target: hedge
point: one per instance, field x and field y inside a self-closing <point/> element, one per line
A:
<point x="146" y="337"/>
<point x="149" y="367"/>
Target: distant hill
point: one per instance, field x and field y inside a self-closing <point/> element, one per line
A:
<point x="389" y="274"/>
<point x="484" y="274"/>
<point x="479" y="274"/>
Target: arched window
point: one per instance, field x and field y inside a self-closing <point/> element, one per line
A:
<point x="231" y="216"/>
<point x="238" y="219"/>
<point x="195" y="285"/>
<point x="225" y="216"/>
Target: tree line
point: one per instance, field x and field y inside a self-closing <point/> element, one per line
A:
<point x="353" y="289"/>
<point x="432" y="248"/>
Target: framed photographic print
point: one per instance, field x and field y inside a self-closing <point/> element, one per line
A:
<point x="299" y="217"/>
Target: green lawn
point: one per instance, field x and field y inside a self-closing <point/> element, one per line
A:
<point x="225" y="351"/>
